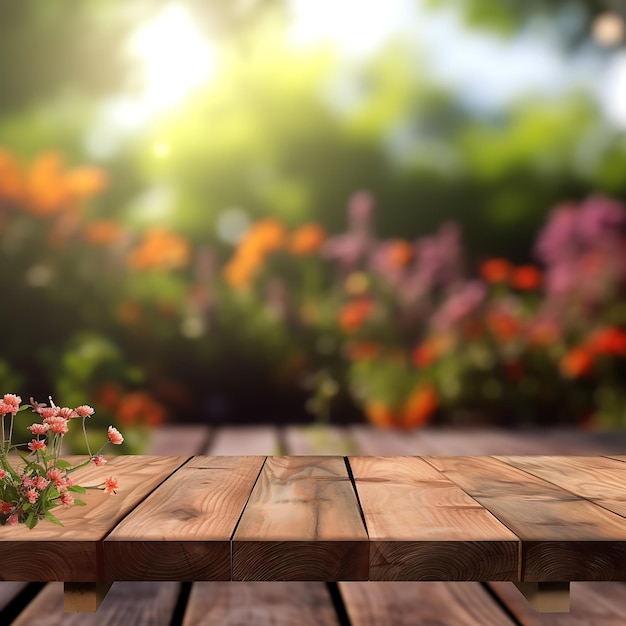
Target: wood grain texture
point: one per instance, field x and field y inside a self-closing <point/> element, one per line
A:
<point x="591" y="604"/>
<point x="421" y="604"/>
<point x="598" y="479"/>
<point x="241" y="441"/>
<point x="260" y="604"/>
<point x="423" y="527"/>
<point x="71" y="553"/>
<point x="302" y="522"/>
<point x="563" y="537"/>
<point x="183" y="530"/>
<point x="136" y="604"/>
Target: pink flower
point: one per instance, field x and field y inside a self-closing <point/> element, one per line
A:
<point x="110" y="485"/>
<point x="115" y="436"/>
<point x="67" y="499"/>
<point x="57" y="424"/>
<point x="27" y="481"/>
<point x="56" y="475"/>
<point x="12" y="520"/>
<point x="2" y="474"/>
<point x="48" y="411"/>
<point x="38" y="429"/>
<point x="12" y="400"/>
<point x="7" y="408"/>
<point x="32" y="494"/>
<point x="35" y="444"/>
<point x="98" y="460"/>
<point x="5" y="507"/>
<point x="40" y="483"/>
<point x="84" y="410"/>
<point x="67" y="413"/>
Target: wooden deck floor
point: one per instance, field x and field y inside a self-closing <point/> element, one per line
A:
<point x="359" y="604"/>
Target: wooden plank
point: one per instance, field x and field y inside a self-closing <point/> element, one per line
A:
<point x="563" y="537"/>
<point x="375" y="442"/>
<point x="598" y="479"/>
<point x="8" y="591"/>
<point x="423" y="527"/>
<point x="319" y="439"/>
<point x="261" y="604"/>
<point x="302" y="522"/>
<point x="484" y="441"/>
<point x="137" y="603"/>
<point x="421" y="604"/>
<point x="183" y="530"/>
<point x="169" y="439"/>
<point x="71" y="553"/>
<point x="245" y="440"/>
<point x="591" y="603"/>
<point x="84" y="597"/>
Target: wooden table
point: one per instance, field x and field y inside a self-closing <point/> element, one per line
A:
<point x="539" y="521"/>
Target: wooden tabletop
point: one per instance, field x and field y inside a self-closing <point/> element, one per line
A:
<point x="334" y="518"/>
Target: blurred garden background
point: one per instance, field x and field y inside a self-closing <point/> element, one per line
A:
<point x="279" y="211"/>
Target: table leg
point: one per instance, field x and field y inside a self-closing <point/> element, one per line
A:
<point x="546" y="597"/>
<point x="84" y="597"/>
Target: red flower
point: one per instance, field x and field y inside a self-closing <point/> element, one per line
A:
<point x="609" y="341"/>
<point x="576" y="363"/>
<point x="526" y="277"/>
<point x="364" y="351"/>
<point x="352" y="316"/>
<point x="496" y="270"/>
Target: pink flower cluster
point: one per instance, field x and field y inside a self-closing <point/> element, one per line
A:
<point x="10" y="404"/>
<point x="28" y="493"/>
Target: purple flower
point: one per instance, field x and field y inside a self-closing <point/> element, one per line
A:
<point x="459" y="305"/>
<point x="600" y="219"/>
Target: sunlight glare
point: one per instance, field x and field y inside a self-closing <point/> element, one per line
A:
<point x="175" y="56"/>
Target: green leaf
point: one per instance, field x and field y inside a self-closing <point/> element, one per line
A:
<point x="77" y="489"/>
<point x="80" y="503"/>
<point x="24" y="407"/>
<point x="31" y="521"/>
<point x="52" y="518"/>
<point x="62" y="464"/>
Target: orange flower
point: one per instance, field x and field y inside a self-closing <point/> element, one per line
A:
<point x="306" y="239"/>
<point x="399" y="253"/>
<point x="139" y="406"/>
<point x="264" y="237"/>
<point x="47" y="192"/>
<point x="416" y="411"/>
<point x="85" y="181"/>
<point x="238" y="272"/>
<point x="609" y="341"/>
<point x="160" y="249"/>
<point x="427" y="352"/>
<point x="576" y="363"/>
<point x="11" y="177"/>
<point x="103" y="232"/>
<point x="503" y="326"/>
<point x="380" y="415"/>
<point x="420" y="406"/>
<point x="496" y="270"/>
<point x="526" y="277"/>
<point x="364" y="351"/>
<point x="353" y="315"/>
<point x="543" y="334"/>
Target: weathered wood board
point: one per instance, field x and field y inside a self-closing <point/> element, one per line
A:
<point x="302" y="522"/>
<point x="183" y="530"/>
